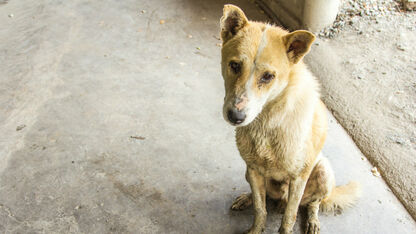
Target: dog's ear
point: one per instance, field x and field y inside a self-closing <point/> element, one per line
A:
<point x="298" y="44"/>
<point x="232" y="21"/>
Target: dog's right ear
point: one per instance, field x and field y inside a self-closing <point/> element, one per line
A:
<point x="232" y="21"/>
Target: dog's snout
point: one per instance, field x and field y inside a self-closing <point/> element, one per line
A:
<point x="240" y="102"/>
<point x="235" y="116"/>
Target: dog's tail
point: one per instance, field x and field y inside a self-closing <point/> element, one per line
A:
<point x="341" y="197"/>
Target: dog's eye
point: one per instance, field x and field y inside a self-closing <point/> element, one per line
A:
<point x="266" y="78"/>
<point x="236" y="67"/>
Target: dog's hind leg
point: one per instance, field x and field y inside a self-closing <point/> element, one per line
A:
<point x="320" y="182"/>
<point x="277" y="190"/>
<point x="242" y="202"/>
<point x="319" y="185"/>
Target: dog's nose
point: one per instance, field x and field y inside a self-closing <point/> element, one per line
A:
<point x="235" y="116"/>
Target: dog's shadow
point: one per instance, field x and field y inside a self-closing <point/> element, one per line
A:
<point x="274" y="217"/>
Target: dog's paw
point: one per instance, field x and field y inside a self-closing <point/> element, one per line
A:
<point x="242" y="202"/>
<point x="312" y="226"/>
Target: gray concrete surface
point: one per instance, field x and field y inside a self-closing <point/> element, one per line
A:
<point x="83" y="77"/>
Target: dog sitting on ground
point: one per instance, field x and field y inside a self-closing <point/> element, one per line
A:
<point x="274" y="101"/>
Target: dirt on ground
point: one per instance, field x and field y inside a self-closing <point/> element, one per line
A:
<point x="367" y="65"/>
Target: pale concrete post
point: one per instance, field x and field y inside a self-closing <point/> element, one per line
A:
<point x="318" y="14"/>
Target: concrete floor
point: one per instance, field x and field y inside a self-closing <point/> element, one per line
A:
<point x="85" y="76"/>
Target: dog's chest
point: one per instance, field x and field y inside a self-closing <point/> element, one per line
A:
<point x="273" y="153"/>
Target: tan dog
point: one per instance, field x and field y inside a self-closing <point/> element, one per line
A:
<point x="281" y="122"/>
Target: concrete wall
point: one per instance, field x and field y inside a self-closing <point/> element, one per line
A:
<point x="307" y="14"/>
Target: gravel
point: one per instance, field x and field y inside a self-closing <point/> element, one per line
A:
<point x="352" y="10"/>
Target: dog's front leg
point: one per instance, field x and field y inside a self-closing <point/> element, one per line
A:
<point x="258" y="189"/>
<point x="296" y="189"/>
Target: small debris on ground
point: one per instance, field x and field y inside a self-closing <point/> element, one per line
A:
<point x="375" y="172"/>
<point x="20" y="127"/>
<point x="143" y="11"/>
<point x="351" y="10"/>
<point x="198" y="48"/>
<point x="138" y="137"/>
<point x="398" y="139"/>
<point x="162" y="21"/>
<point x="400" y="47"/>
<point x="11" y="15"/>
<point x="189" y="36"/>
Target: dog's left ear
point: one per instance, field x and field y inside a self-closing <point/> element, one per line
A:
<point x="298" y="44"/>
<point x="232" y="21"/>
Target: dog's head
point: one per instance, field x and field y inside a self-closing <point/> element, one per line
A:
<point x="256" y="62"/>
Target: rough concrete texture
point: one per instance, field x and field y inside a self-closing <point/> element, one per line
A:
<point x="368" y="78"/>
<point x="123" y="127"/>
